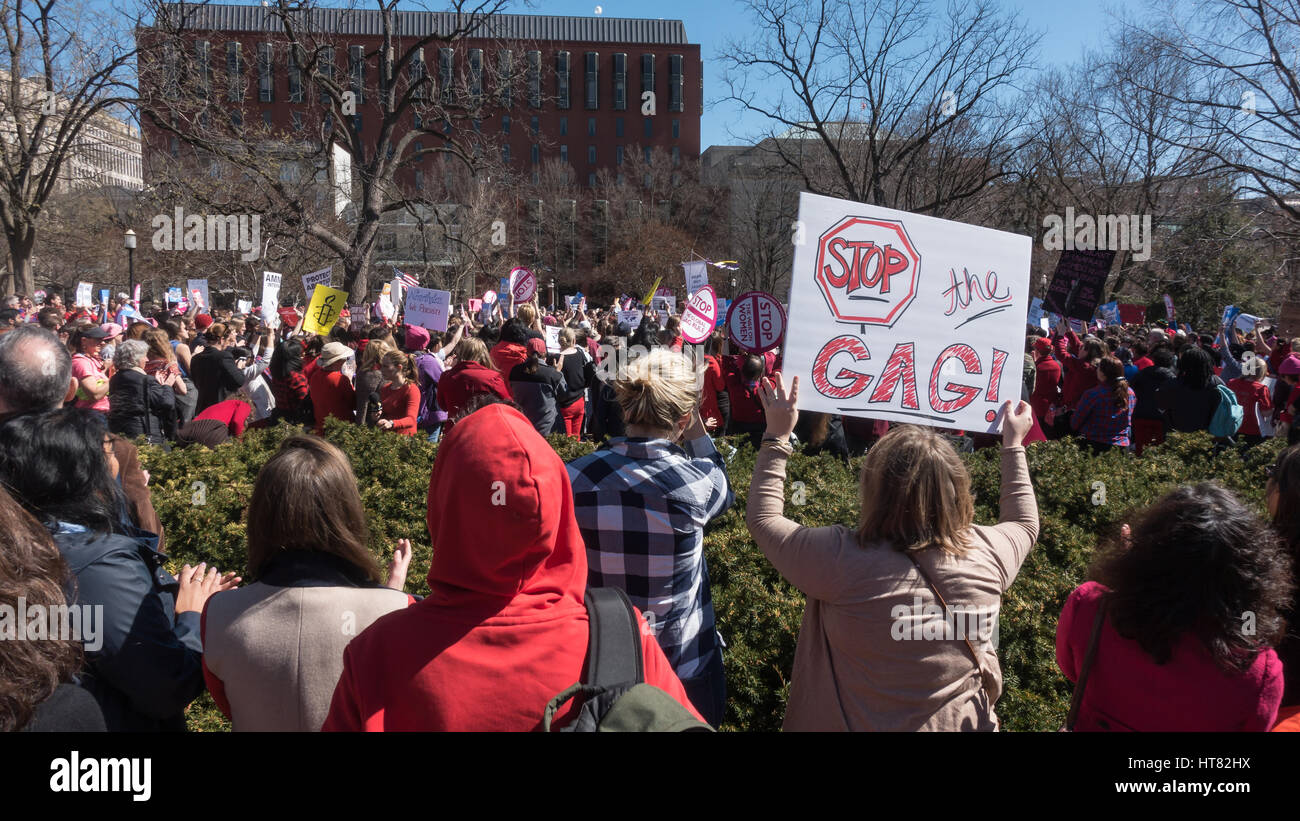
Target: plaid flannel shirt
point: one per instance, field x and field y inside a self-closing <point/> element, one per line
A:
<point x="642" y="505"/>
<point x="1097" y="420"/>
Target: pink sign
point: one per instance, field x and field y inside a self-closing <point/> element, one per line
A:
<point x="523" y="284"/>
<point x="756" y="321"/>
<point x="700" y="316"/>
<point x="475" y="305"/>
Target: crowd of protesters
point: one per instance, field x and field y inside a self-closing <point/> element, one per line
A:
<point x="504" y="631"/>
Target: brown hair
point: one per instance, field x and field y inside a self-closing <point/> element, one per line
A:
<point x="1113" y="370"/>
<point x="526" y="314"/>
<point x="372" y="353"/>
<point x="216" y="332"/>
<point x="472" y="349"/>
<point x="915" y="493"/>
<point x="138" y="330"/>
<point x="159" y="345"/>
<point x="403" y="362"/>
<point x="32" y="569"/>
<point x="306" y="498"/>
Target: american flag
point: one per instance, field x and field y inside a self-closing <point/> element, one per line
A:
<point x="408" y="281"/>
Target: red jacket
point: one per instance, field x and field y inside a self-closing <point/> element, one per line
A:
<point x="1047" y="386"/>
<point x="232" y="412"/>
<point x="401" y="406"/>
<point x="713" y="384"/>
<point x="465" y="380"/>
<point x="745" y="404"/>
<point x="332" y="394"/>
<point x="1128" y="690"/>
<point x="505" y="355"/>
<point x="504" y="628"/>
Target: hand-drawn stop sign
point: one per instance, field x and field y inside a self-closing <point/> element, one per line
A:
<point x="868" y="270"/>
<point x="756" y="321"/>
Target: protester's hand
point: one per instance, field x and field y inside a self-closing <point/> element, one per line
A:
<point x="386" y="424"/>
<point x="1016" y="423"/>
<point x="197" y="586"/>
<point x="398" y="566"/>
<point x="779" y="406"/>
<point x="146" y="476"/>
<point x="711" y="423"/>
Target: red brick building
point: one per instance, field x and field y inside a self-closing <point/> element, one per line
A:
<point x="576" y="96"/>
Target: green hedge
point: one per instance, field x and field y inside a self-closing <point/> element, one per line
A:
<point x="202" y="495"/>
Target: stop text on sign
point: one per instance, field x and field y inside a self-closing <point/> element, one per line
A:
<point x="867" y="270"/>
<point x="756" y="321"/>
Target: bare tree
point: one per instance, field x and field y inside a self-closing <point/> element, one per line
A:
<point x="64" y="65"/>
<point x="886" y="101"/>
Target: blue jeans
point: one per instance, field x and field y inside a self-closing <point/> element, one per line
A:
<point x="434" y="434"/>
<point x="708" y="691"/>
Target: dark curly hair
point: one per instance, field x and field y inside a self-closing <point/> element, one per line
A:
<point x="1285" y="479"/>
<point x="1199" y="560"/>
<point x="31" y="569"/>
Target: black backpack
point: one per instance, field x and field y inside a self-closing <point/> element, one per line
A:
<point x="617" y="698"/>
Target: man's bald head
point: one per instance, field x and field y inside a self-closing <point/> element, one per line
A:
<point x="35" y="370"/>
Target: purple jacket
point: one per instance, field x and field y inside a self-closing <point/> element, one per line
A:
<point x="428" y="370"/>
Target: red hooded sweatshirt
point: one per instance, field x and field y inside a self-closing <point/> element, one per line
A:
<point x="505" y="355"/>
<point x="465" y="380"/>
<point x="504" y="628"/>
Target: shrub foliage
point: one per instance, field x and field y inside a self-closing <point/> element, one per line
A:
<point x="202" y="498"/>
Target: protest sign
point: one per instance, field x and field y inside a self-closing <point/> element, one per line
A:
<point x="428" y="308"/>
<point x="197" y="296"/>
<point x="700" y="316"/>
<point x="902" y="317"/>
<point x="1169" y="307"/>
<point x="489" y="297"/>
<point x="523" y="284"/>
<point x="697" y="276"/>
<point x="1108" y="314"/>
<point x="135" y="295"/>
<point x="84" y="298"/>
<point x="663" y="304"/>
<point x="653" y="290"/>
<point x="323" y="312"/>
<point x="175" y="296"/>
<point x="553" y="338"/>
<point x="724" y="306"/>
<point x="289" y="316"/>
<point x="1036" y="312"/>
<point x="1246" y="322"/>
<point x="632" y="318"/>
<point x="475" y="305"/>
<point x="1230" y="315"/>
<point x="1132" y="314"/>
<point x="103" y="295"/>
<point x="756" y="322"/>
<point x="310" y="281"/>
<point x="245" y="306"/>
<point x="1078" y="283"/>
<point x="356" y="314"/>
<point x="200" y="285"/>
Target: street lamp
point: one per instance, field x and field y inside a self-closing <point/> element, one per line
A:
<point x="552" y="293"/>
<point x="733" y="288"/>
<point x="128" y="242"/>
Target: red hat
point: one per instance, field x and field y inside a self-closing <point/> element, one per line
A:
<point x="202" y="322"/>
<point x="537" y="346"/>
<point x="1043" y="345"/>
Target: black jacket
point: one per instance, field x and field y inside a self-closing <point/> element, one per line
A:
<point x="1145" y="385"/>
<point x="1189" y="410"/>
<point x="578" y="373"/>
<point x="148" y="665"/>
<point x="215" y="375"/>
<point x="139" y="406"/>
<point x="536" y="393"/>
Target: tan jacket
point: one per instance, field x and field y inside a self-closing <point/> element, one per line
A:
<point x="863" y="661"/>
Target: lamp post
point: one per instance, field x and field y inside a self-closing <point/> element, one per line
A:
<point x="552" y="293"/>
<point x="733" y="288"/>
<point x="128" y="242"/>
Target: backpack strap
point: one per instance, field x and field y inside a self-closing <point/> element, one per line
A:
<point x="1076" y="698"/>
<point x="614" y="647"/>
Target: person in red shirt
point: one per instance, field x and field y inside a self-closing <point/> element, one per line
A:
<point x="746" y="407"/>
<point x="469" y="371"/>
<point x="1047" y="382"/>
<point x="233" y="413"/>
<point x="1253" y="397"/>
<point x="331" y="391"/>
<point x="504" y="628"/>
<point x="1080" y="367"/>
<point x="1140" y="359"/>
<point x="399" y="398"/>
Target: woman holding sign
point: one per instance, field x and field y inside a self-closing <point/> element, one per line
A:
<point x="873" y="653"/>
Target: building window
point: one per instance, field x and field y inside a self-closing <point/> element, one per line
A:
<point x="677" y="129"/>
<point x="647" y="73"/>
<point x="591" y="79"/>
<point x="505" y="154"/>
<point x="562" y="79"/>
<point x="266" y="119"/>
<point x="591" y="126"/>
<point x="357" y="71"/>
<point x="536" y="154"/>
<point x="295" y="118"/>
<point x="618" y="155"/>
<point x="295" y="74"/>
<point x="591" y="155"/>
<point x="648" y="127"/>
<point x="564" y="153"/>
<point x="536" y="177"/>
<point x="505" y="123"/>
<point x="234" y="72"/>
<point x="618" y="126"/>
<point x="591" y="180"/>
<point x="535" y="125"/>
<point x="445" y="56"/>
<point x="325" y="68"/>
<point x="564" y="126"/>
<point x="478" y="126"/>
<point x="647" y="156"/>
<point x="675" y="83"/>
<point x="415" y="76"/>
<point x="535" y="79"/>
<point x="677" y="156"/>
<point x="475" y="77"/>
<point x="419" y="180"/>
<point x="417" y="122"/>
<point x="265" y="73"/>
<point x="356" y="123"/>
<point x="620" y="82"/>
<point x="505" y="68"/>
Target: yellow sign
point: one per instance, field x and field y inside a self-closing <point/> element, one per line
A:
<point x="326" y="305"/>
<point x="650" y="296"/>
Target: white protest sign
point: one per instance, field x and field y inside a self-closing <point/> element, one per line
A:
<point x="553" y="338"/>
<point x="697" y="276"/>
<point x="244" y="305"/>
<point x="523" y="284"/>
<point x="756" y="321"/>
<point x="632" y="318"/>
<point x="906" y="318"/>
<point x="700" y="316"/>
<point x="395" y="290"/>
<point x="664" y="304"/>
<point x="489" y="297"/>
<point x="310" y="281"/>
<point x="271" y="297"/>
<point x="428" y="308"/>
<point x="85" y="295"/>
<point x="200" y="285"/>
